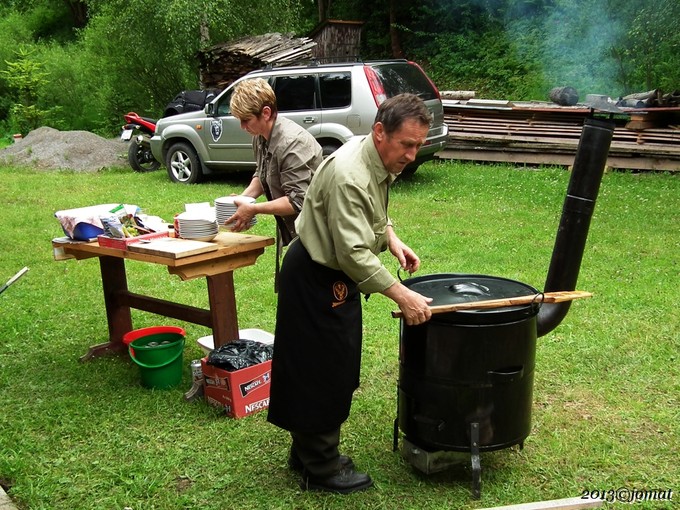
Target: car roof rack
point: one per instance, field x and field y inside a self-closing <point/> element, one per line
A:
<point x="313" y="62"/>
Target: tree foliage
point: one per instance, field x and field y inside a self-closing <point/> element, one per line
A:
<point x="147" y="54"/>
<point x="106" y="57"/>
<point x="654" y="39"/>
<point x="24" y="76"/>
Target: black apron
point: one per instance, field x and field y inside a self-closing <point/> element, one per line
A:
<point x="317" y="345"/>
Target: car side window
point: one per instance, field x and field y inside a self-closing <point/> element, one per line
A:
<point x="223" y="108"/>
<point x="336" y="90"/>
<point x="294" y="93"/>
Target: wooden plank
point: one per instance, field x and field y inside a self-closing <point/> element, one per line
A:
<point x="524" y="126"/>
<point x="235" y="240"/>
<point x="487" y="140"/>
<point x="496" y="156"/>
<point x="553" y="157"/>
<point x="561" y="504"/>
<point x="173" y="248"/>
<point x="489" y="102"/>
<point x="543" y="133"/>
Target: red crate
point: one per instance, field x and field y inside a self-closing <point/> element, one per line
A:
<point x="123" y="243"/>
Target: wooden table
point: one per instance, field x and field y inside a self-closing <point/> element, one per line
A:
<point x="234" y="251"/>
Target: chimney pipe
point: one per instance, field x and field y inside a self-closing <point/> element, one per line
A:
<point x="579" y="204"/>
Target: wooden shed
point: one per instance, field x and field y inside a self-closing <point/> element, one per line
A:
<point x="337" y="39"/>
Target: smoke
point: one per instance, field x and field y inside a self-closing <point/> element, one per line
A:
<point x="572" y="42"/>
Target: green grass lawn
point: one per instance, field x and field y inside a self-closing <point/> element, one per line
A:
<point x="88" y="436"/>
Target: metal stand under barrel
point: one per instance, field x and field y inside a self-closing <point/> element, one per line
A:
<point x="436" y="461"/>
<point x="432" y="462"/>
<point x="476" y="463"/>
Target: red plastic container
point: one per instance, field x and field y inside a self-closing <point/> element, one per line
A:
<point x="133" y="335"/>
<point x="122" y="244"/>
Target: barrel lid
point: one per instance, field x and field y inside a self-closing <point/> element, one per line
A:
<point x="447" y="289"/>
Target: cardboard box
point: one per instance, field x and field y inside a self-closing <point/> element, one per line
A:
<point x="259" y="335"/>
<point x="241" y="392"/>
<point x="122" y="243"/>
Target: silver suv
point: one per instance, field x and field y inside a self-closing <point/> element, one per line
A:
<point x="334" y="102"/>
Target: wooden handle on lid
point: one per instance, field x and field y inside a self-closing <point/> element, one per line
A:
<point x="547" y="297"/>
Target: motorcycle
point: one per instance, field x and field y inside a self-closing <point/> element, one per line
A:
<point x="139" y="151"/>
<point x="140" y="156"/>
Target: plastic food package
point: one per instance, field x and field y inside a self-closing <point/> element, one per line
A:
<point x="85" y="223"/>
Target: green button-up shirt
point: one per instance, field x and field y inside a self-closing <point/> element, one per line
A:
<point x="344" y="217"/>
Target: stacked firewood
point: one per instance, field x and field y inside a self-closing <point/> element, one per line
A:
<point x="223" y="63"/>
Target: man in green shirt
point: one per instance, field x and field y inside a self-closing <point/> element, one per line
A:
<point x="342" y="228"/>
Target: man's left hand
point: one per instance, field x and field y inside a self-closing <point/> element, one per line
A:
<point x="408" y="260"/>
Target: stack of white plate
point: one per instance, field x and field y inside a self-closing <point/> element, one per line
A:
<point x="225" y="208"/>
<point x="198" y="225"/>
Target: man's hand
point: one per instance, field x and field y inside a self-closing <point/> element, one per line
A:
<point x="414" y="306"/>
<point x="408" y="260"/>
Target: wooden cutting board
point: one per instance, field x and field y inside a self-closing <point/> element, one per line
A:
<point x="173" y="248"/>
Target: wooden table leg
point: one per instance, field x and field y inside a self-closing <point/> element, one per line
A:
<point x="114" y="281"/>
<point x="222" y="298"/>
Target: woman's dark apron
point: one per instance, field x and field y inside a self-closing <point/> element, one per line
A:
<point x="317" y="346"/>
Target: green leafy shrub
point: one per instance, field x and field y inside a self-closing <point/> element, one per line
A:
<point x="14" y="32"/>
<point x="25" y="75"/>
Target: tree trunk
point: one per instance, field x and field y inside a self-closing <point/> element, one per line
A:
<point x="204" y="32"/>
<point x="394" y="32"/>
<point x="324" y="7"/>
<point x="78" y="10"/>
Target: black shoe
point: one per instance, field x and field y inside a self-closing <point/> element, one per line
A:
<point x="344" y="481"/>
<point x="295" y="463"/>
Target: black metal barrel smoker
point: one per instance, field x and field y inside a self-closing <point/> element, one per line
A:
<point x="466" y="377"/>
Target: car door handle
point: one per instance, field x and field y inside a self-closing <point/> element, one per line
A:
<point x="309" y="120"/>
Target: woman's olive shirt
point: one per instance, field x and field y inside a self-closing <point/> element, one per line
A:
<point x="285" y="165"/>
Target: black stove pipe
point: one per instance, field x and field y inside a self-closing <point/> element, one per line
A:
<point x="579" y="204"/>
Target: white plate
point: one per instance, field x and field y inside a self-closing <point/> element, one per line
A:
<point x="205" y="214"/>
<point x="230" y="200"/>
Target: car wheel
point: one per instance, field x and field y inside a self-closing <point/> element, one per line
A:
<point x="329" y="148"/>
<point x="408" y="171"/>
<point x="183" y="164"/>
<point x="141" y="159"/>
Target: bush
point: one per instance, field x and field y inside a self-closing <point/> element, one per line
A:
<point x="25" y="76"/>
<point x="498" y="71"/>
<point x="77" y="85"/>
<point x="14" y="33"/>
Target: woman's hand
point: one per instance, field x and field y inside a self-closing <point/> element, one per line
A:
<point x="240" y="220"/>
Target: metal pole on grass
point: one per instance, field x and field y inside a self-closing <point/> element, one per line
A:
<point x="13" y="279"/>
